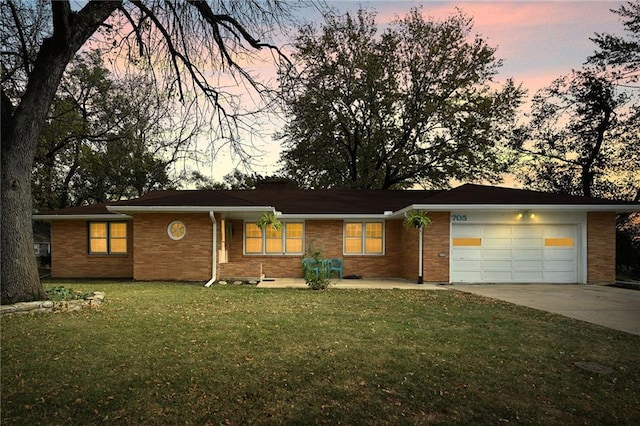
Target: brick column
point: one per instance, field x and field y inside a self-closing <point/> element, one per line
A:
<point x="601" y="247"/>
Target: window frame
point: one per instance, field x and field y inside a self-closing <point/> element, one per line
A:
<point x="108" y="238"/>
<point x="363" y="237"/>
<point x="264" y="238"/>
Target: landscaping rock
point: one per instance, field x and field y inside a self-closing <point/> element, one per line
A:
<point x="93" y="300"/>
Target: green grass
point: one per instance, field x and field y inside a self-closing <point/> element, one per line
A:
<point x="166" y="353"/>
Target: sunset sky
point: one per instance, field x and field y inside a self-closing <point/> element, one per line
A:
<point x="538" y="42"/>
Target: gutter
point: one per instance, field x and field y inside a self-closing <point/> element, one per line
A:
<point x="188" y="209"/>
<point x="214" y="260"/>
<point x="108" y="216"/>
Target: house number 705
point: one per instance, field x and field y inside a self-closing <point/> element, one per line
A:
<point x="459" y="218"/>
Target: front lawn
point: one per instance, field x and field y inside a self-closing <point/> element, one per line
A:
<point x="166" y="353"/>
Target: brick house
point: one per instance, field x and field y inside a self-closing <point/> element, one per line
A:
<point x="478" y="234"/>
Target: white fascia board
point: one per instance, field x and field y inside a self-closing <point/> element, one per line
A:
<point x="47" y="217"/>
<point x="516" y="207"/>
<point x="188" y="209"/>
<point x="332" y="216"/>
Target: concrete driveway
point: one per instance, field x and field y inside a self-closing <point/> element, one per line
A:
<point x="611" y="307"/>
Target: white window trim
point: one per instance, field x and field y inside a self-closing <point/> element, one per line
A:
<point x="173" y="237"/>
<point x="363" y="223"/>
<point x="264" y="240"/>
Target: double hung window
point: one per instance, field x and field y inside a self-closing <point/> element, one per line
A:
<point x="364" y="238"/>
<point x="288" y="240"/>
<point x="107" y="237"/>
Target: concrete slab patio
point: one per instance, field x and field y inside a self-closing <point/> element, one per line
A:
<point x="611" y="307"/>
<point x="379" y="283"/>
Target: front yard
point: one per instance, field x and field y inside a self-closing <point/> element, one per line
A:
<point x="166" y="353"/>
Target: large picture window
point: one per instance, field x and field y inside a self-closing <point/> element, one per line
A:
<point x="364" y="238"/>
<point x="288" y="240"/>
<point x="107" y="237"/>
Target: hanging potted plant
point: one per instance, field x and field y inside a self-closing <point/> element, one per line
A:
<point x="269" y="219"/>
<point x="416" y="219"/>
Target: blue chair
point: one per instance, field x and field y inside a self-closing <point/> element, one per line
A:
<point x="309" y="264"/>
<point x="335" y="265"/>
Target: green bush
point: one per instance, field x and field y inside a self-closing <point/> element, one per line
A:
<point x="60" y="293"/>
<point x="316" y="279"/>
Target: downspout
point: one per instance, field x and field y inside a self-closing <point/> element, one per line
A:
<point x="214" y="260"/>
<point x="420" y="233"/>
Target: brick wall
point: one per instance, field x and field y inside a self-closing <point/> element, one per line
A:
<point x="158" y="257"/>
<point x="325" y="235"/>
<point x="435" y="241"/>
<point x="601" y="248"/>
<point x="70" y="256"/>
<point x="437" y="237"/>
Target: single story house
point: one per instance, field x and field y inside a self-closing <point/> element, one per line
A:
<point x="478" y="234"/>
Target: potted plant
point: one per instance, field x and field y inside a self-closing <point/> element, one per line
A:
<point x="269" y="219"/>
<point x="416" y="219"/>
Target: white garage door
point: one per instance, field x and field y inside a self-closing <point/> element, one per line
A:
<point x="514" y="253"/>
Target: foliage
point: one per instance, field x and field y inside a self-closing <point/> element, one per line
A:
<point x="582" y="138"/>
<point x="60" y="293"/>
<point x="285" y="356"/>
<point x="415" y="104"/>
<point x="269" y="219"/>
<point x="315" y="268"/>
<point x="621" y="55"/>
<point x="105" y="139"/>
<point x="417" y="219"/>
<point x="191" y="51"/>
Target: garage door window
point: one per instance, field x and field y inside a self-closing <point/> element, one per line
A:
<point x="467" y="242"/>
<point x="558" y="242"/>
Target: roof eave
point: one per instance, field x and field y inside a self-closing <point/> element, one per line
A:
<point x="617" y="208"/>
<point x="99" y="216"/>
<point x="188" y="209"/>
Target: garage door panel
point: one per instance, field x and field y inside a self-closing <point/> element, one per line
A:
<point x="496" y="265"/>
<point x="553" y="255"/>
<point x="557" y="277"/>
<point x="496" y="242"/>
<point x="467" y="265"/>
<point x="496" y="276"/>
<point x="516" y="253"/>
<point x="528" y="231"/>
<point x="528" y="276"/>
<point x="467" y="254"/>
<point x="528" y="242"/>
<point x="496" y="254"/>
<point x="527" y="254"/>
<point x="527" y="265"/>
<point x="560" y="265"/>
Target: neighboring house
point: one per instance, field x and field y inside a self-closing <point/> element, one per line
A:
<point x="479" y="234"/>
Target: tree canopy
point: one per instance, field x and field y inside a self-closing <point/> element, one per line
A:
<point x="191" y="49"/>
<point x="416" y="104"/>
<point x="583" y="134"/>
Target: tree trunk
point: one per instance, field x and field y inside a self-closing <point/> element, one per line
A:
<point x="20" y="131"/>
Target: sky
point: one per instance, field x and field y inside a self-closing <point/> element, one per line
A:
<point x="538" y="41"/>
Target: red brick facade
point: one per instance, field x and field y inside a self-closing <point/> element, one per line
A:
<point x="153" y="255"/>
<point x="158" y="257"/>
<point x="70" y="256"/>
<point x="601" y="248"/>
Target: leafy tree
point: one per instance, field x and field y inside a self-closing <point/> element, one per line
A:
<point x="583" y="135"/>
<point x="417" y="104"/>
<point x="186" y="46"/>
<point x="582" y="139"/>
<point x="619" y="54"/>
<point x="97" y="123"/>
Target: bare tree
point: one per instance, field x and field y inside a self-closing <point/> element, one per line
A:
<point x="186" y="46"/>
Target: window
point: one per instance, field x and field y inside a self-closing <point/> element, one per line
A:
<point x="107" y="237"/>
<point x="288" y="240"/>
<point x="363" y="238"/>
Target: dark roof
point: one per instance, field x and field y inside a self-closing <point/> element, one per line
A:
<point x="480" y="194"/>
<point x="343" y="201"/>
